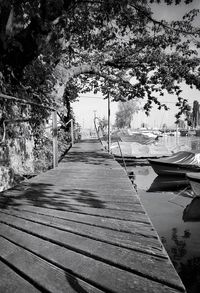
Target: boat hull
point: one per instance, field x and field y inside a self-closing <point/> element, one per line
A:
<point x="194" y="179"/>
<point x="132" y="161"/>
<point x="162" y="168"/>
<point x="178" y="164"/>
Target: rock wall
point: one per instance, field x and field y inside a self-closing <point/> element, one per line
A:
<point x="16" y="160"/>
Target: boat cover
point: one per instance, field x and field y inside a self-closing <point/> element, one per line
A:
<point x="182" y="158"/>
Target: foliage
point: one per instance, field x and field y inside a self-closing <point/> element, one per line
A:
<point x="103" y="123"/>
<point x="129" y="52"/>
<point x="124" y="115"/>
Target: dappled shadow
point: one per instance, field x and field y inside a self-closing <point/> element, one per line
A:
<point x="45" y="196"/>
<point x="83" y="196"/>
<point x="93" y="158"/>
<point x="88" y="157"/>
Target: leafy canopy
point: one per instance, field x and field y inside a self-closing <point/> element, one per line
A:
<point x="100" y="45"/>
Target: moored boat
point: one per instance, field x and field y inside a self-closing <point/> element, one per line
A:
<point x="138" y="137"/>
<point x="194" y="179"/>
<point x="178" y="164"/>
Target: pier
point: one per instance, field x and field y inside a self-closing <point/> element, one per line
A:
<point x="81" y="228"/>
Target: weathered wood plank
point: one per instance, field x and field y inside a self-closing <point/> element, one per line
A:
<point x="85" y="200"/>
<point x="143" y="244"/>
<point x="50" y="204"/>
<point x="10" y="281"/>
<point x="136" y="262"/>
<point x="108" y="223"/>
<point x="49" y="277"/>
<point x="98" y="273"/>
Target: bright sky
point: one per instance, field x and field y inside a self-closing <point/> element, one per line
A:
<point x="90" y="105"/>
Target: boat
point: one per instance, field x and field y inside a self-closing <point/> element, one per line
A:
<point x="142" y="137"/>
<point x="194" y="179"/>
<point x="139" y="137"/>
<point x="131" y="160"/>
<point x="135" y="153"/>
<point x="178" y="164"/>
<point x="168" y="183"/>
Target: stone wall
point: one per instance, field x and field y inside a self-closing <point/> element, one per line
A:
<point x="16" y="160"/>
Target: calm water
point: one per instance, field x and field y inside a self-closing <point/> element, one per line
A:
<point x="165" y="204"/>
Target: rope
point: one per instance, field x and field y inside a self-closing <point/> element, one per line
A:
<point x="97" y="132"/>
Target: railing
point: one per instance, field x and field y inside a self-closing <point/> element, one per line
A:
<point x="54" y="124"/>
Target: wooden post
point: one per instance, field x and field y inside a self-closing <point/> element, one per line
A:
<point x="55" y="139"/>
<point x="109" y="140"/>
<point x="72" y="131"/>
<point x="177" y="134"/>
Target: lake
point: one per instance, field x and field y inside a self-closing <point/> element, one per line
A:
<point x="165" y="204"/>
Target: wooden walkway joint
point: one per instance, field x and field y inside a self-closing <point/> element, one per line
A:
<point x="81" y="228"/>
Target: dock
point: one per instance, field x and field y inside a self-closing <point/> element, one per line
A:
<point x="81" y="228"/>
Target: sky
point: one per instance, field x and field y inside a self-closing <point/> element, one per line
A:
<point x="90" y="105"/>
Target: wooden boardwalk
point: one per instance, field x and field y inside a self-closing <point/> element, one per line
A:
<point x="81" y="228"/>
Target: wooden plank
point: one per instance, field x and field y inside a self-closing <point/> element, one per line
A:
<point x="109" y="223"/>
<point x="10" y="281"/>
<point x="133" y="242"/>
<point x="45" y="275"/>
<point x="84" y="228"/>
<point x="50" y="204"/>
<point x="83" y="200"/>
<point x="98" y="272"/>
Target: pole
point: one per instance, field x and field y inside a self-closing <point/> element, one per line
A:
<point x="72" y="131"/>
<point x="176" y="134"/>
<point x="109" y="141"/>
<point x="95" y="116"/>
<point x="55" y="139"/>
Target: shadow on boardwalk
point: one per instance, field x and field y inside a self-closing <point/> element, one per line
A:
<point x="44" y="195"/>
<point x="87" y="158"/>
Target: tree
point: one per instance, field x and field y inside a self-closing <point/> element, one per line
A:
<point x="124" y="115"/>
<point x="104" y="45"/>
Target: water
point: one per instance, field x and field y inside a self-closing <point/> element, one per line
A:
<point x="165" y="208"/>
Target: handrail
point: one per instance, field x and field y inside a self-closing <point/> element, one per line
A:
<point x="97" y="131"/>
<point x="25" y="102"/>
<point x="122" y="156"/>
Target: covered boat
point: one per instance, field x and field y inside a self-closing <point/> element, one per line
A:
<point x="178" y="164"/>
<point x="194" y="179"/>
<point x="142" y="137"/>
<point x="136" y="153"/>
